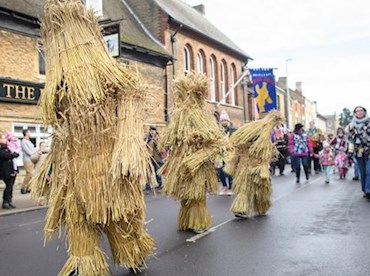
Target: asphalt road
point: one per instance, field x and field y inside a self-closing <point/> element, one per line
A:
<point x="311" y="229"/>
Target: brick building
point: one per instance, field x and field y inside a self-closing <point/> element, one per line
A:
<point x="22" y="67"/>
<point x="197" y="45"/>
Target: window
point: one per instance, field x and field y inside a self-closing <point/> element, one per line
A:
<point x="41" y="60"/>
<point x="200" y="63"/>
<point x="223" y="82"/>
<point x="212" y="78"/>
<point x="232" y="83"/>
<point x="38" y="133"/>
<point x="187" y="64"/>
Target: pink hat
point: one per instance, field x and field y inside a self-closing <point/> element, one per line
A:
<point x="224" y="116"/>
<point x="341" y="148"/>
<point x="9" y="135"/>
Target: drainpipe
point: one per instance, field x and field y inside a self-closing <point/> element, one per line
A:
<point x="166" y="119"/>
<point x="244" y="90"/>
<point x="173" y="41"/>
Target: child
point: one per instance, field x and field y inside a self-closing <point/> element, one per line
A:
<point x="341" y="162"/>
<point x="327" y="160"/>
<point x="14" y="146"/>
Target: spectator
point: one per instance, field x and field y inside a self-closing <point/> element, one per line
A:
<point x="300" y="149"/>
<point x="42" y="154"/>
<point x="359" y="138"/>
<point x="152" y="140"/>
<point x="340" y="140"/>
<point x="279" y="138"/>
<point x="314" y="136"/>
<point x="327" y="160"/>
<point x="225" y="179"/>
<point x="27" y="150"/>
<point x="341" y="162"/>
<point x="13" y="146"/>
<point x="7" y="172"/>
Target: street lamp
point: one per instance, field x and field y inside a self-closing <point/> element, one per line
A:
<point x="287" y="98"/>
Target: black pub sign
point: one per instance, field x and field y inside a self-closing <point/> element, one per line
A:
<point x="20" y="91"/>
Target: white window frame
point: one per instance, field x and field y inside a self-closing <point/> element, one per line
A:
<point x="39" y="134"/>
<point x="232" y="82"/>
<point x="212" y="79"/>
<point x="200" y="64"/>
<point x="187" y="64"/>
<point x="223" y="82"/>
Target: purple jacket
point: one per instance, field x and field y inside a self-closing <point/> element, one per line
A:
<point x="299" y="146"/>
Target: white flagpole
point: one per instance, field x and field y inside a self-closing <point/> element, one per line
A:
<point x="245" y="73"/>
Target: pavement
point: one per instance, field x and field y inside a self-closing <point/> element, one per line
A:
<point x="23" y="202"/>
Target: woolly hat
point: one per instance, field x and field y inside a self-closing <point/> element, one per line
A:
<point x="341" y="148"/>
<point x="325" y="144"/>
<point x="224" y="116"/>
<point x="9" y="135"/>
<point x="298" y="126"/>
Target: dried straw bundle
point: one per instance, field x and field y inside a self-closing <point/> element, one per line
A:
<point x="250" y="165"/>
<point x="194" y="140"/>
<point x="100" y="161"/>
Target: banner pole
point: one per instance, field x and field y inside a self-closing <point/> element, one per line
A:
<point x="245" y="73"/>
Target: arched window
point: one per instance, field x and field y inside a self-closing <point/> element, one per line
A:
<point x="212" y="78"/>
<point x="223" y="82"/>
<point x="187" y="60"/>
<point x="232" y="82"/>
<point x="200" y="62"/>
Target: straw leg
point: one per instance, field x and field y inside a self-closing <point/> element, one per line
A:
<point x="129" y="242"/>
<point x="85" y="256"/>
<point x="194" y="215"/>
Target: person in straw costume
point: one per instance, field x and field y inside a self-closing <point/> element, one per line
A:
<point x="193" y="139"/>
<point x="94" y="105"/>
<point x="249" y="165"/>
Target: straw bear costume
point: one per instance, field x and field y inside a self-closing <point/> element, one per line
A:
<point x="93" y="104"/>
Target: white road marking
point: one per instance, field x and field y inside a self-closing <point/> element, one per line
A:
<point x="30" y="223"/>
<point x="212" y="229"/>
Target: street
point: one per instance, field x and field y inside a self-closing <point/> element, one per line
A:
<point x="311" y="229"/>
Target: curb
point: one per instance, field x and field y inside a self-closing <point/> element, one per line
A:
<point x="24" y="210"/>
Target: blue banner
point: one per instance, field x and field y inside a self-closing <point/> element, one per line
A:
<point x="264" y="89"/>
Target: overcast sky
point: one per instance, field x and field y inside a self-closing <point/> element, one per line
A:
<point x="327" y="40"/>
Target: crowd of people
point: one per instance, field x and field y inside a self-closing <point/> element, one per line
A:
<point x="32" y="157"/>
<point x="330" y="154"/>
<point x="349" y="147"/>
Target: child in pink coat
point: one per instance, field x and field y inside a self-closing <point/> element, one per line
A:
<point x="14" y="146"/>
<point x="341" y="162"/>
<point x="327" y="160"/>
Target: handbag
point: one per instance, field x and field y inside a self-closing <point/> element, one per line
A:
<point x="35" y="157"/>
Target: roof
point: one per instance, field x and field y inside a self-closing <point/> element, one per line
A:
<point x="131" y="31"/>
<point x="194" y="20"/>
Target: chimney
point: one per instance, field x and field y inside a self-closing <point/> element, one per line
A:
<point x="282" y="83"/>
<point x="298" y="86"/>
<point x="200" y="8"/>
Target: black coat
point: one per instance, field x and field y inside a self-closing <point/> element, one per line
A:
<point x="6" y="163"/>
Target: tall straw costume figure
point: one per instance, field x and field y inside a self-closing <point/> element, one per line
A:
<point x="249" y="165"/>
<point x="194" y="139"/>
<point x="98" y="156"/>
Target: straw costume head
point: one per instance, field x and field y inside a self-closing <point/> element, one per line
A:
<point x="93" y="104"/>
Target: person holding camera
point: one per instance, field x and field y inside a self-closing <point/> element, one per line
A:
<point x="152" y="140"/>
<point x="7" y="172"/>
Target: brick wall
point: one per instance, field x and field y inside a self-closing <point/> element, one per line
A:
<point x="19" y="57"/>
<point x="19" y="60"/>
<point x="195" y="44"/>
